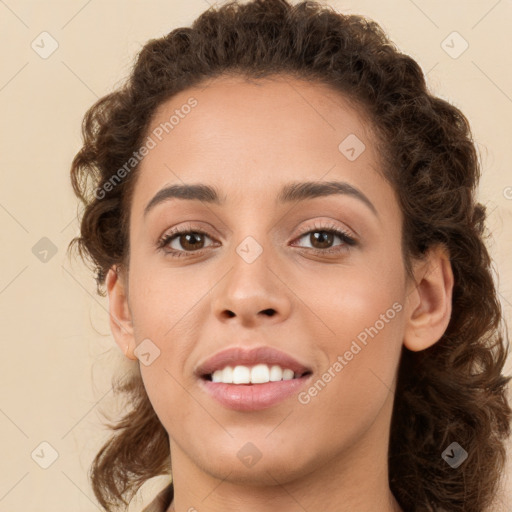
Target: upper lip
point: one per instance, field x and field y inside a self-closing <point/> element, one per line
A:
<point x="234" y="356"/>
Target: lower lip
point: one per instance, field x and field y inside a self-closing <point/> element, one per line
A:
<point x="253" y="397"/>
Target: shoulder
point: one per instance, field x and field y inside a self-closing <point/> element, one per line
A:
<point x="162" y="501"/>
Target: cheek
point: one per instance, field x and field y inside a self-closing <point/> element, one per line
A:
<point x="169" y="307"/>
<point x="356" y="379"/>
<point x="163" y="300"/>
<point x="367" y="349"/>
<point x="349" y="300"/>
<point x="360" y="334"/>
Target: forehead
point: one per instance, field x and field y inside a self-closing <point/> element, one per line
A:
<point x="231" y="108"/>
<point x="252" y="136"/>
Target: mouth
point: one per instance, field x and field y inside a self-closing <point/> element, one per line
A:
<point x="244" y="380"/>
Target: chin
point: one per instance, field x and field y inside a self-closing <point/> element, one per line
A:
<point x="257" y="464"/>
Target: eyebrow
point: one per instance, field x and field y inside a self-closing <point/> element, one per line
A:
<point x="292" y="192"/>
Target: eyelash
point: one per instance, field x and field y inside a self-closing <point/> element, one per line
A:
<point x="348" y="240"/>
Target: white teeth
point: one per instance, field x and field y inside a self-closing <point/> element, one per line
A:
<point x="276" y="373"/>
<point x="241" y="375"/>
<point x="287" y="375"/>
<point x="225" y="375"/>
<point x="258" y="374"/>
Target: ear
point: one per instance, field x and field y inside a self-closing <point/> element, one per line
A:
<point x="429" y="303"/>
<point x="119" y="311"/>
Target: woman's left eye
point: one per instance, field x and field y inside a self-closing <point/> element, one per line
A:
<point x="193" y="241"/>
<point x="321" y="240"/>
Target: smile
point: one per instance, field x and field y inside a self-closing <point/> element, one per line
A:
<point x="258" y="374"/>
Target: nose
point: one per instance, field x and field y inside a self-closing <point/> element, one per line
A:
<point x="252" y="293"/>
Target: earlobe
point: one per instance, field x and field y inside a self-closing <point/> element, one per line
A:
<point x="429" y="304"/>
<point x="119" y="312"/>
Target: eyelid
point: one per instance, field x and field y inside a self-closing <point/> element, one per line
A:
<point x="328" y="226"/>
<point x="191" y="226"/>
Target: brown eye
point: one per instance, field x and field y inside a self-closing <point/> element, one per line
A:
<point x="321" y="239"/>
<point x="191" y="241"/>
<point x="182" y="242"/>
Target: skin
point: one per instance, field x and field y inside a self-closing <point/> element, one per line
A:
<point x="248" y="140"/>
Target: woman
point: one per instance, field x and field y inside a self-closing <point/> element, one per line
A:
<point x="284" y="219"/>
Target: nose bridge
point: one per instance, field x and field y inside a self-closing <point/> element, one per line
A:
<point x="251" y="289"/>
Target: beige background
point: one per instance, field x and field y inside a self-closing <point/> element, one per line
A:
<point x="57" y="351"/>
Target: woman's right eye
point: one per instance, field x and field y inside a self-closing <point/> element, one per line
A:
<point x="190" y="241"/>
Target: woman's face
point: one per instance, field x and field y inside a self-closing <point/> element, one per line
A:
<point x="267" y="273"/>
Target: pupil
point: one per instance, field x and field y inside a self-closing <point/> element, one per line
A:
<point x="324" y="238"/>
<point x="185" y="240"/>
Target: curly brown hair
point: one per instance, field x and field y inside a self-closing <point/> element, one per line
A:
<point x="452" y="391"/>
